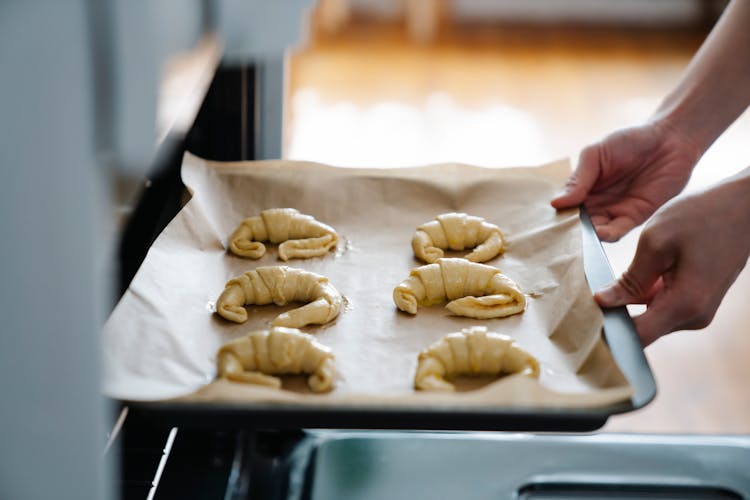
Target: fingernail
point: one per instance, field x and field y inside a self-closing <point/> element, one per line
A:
<point x="603" y="233"/>
<point x="609" y="296"/>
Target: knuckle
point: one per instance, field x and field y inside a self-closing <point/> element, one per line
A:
<point x="631" y="285"/>
<point x="590" y="149"/>
<point x="702" y="321"/>
<point x="704" y="313"/>
<point x="688" y="309"/>
<point x="697" y="311"/>
<point x="588" y="155"/>
<point x="651" y="241"/>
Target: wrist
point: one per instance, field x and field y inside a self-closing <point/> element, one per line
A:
<point x="677" y="121"/>
<point x="675" y="136"/>
<point x="736" y="190"/>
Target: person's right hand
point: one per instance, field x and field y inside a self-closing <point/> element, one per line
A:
<point x="627" y="176"/>
<point x="688" y="255"/>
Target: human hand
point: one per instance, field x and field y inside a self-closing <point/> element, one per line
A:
<point x="688" y="256"/>
<point x="627" y="176"/>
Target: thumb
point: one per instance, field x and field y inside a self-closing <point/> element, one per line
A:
<point x="614" y="295"/>
<point x="639" y="283"/>
<point x="582" y="180"/>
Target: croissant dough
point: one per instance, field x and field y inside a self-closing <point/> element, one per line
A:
<point x="300" y="235"/>
<point x="281" y="285"/>
<point x="473" y="351"/>
<point x="457" y="231"/>
<point x="473" y="290"/>
<point x="255" y="357"/>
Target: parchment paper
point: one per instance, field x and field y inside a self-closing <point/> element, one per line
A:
<point x="160" y="341"/>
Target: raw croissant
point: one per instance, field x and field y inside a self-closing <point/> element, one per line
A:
<point x="473" y="290"/>
<point x="281" y="285"/>
<point x="255" y="357"/>
<point x="473" y="351"/>
<point x="458" y="231"/>
<point x="302" y="235"/>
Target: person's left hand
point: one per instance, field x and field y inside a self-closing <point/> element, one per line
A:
<point x="688" y="256"/>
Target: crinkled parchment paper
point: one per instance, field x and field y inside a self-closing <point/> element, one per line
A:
<point x="160" y="341"/>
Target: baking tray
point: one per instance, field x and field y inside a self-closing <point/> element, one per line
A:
<point x="619" y="333"/>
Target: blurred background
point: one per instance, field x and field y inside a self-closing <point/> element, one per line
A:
<point x="501" y="83"/>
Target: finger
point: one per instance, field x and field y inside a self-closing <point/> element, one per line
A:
<point x="614" y="295"/>
<point x="679" y="306"/>
<point x="648" y="328"/>
<point x="604" y="301"/>
<point x="661" y="318"/>
<point x="654" y="291"/>
<point x="582" y="180"/>
<point x="599" y="219"/>
<point x="614" y="229"/>
<point x="652" y="259"/>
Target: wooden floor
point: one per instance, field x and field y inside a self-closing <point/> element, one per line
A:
<point x="507" y="97"/>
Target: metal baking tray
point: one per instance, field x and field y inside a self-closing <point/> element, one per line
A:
<point x="619" y="333"/>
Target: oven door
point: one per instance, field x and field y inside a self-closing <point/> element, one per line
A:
<point x="326" y="465"/>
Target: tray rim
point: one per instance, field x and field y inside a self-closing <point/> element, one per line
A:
<point x="618" y="329"/>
